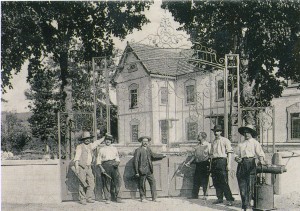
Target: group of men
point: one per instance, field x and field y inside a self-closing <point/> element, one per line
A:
<point x="210" y="158"/>
<point x="215" y="158"/>
<point x="108" y="161"/>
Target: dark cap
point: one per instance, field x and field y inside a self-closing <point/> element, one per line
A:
<point x="248" y="128"/>
<point x="217" y="128"/>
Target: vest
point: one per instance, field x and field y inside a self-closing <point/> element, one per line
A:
<point x="201" y="153"/>
<point x="84" y="156"/>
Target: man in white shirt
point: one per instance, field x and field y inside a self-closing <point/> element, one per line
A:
<point x="221" y="151"/>
<point x="247" y="150"/>
<point x="108" y="160"/>
<point x="83" y="160"/>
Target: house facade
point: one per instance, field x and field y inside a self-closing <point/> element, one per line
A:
<point x="287" y="116"/>
<point x="161" y="94"/>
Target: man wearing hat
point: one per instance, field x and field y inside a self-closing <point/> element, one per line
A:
<point x="83" y="161"/>
<point x="143" y="167"/>
<point x="221" y="151"/>
<point x="247" y="150"/>
<point x="108" y="160"/>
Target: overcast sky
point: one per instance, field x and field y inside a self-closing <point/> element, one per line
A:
<point x="16" y="99"/>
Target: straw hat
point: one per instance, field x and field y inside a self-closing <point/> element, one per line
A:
<point x="86" y="135"/>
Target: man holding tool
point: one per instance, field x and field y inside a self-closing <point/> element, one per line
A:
<point x="201" y="159"/>
<point x="247" y="150"/>
<point x="108" y="160"/>
<point x="83" y="170"/>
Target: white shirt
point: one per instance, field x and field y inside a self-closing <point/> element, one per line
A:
<point x="220" y="147"/>
<point x="249" y="148"/>
<point x="107" y="153"/>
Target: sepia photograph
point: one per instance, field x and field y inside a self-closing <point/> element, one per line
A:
<point x="150" y="105"/>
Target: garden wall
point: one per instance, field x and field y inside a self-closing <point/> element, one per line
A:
<point x="30" y="181"/>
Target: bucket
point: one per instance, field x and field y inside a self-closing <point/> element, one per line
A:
<point x="264" y="197"/>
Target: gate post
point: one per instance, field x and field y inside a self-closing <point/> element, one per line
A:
<point x="226" y="97"/>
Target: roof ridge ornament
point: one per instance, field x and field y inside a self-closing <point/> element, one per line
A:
<point x="165" y="36"/>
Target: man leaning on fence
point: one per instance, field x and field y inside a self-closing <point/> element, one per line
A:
<point x="83" y="161"/>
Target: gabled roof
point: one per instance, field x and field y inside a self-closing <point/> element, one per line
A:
<point x="159" y="61"/>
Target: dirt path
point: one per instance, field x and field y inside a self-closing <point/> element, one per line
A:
<point x="286" y="202"/>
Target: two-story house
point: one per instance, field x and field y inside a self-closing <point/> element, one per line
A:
<point x="160" y="93"/>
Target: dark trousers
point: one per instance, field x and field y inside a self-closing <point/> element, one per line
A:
<point x="246" y="174"/>
<point x="201" y="177"/>
<point x="142" y="185"/>
<point x="111" y="187"/>
<point x="220" y="178"/>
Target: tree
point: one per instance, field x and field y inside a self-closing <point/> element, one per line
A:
<point x="14" y="134"/>
<point x="35" y="30"/>
<point x="265" y="33"/>
<point x="44" y="99"/>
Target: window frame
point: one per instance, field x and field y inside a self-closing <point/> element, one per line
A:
<point x="218" y="98"/>
<point x="133" y="123"/>
<point x="164" y="93"/>
<point x="161" y="122"/>
<point x="292" y="109"/>
<point x="291" y="126"/>
<point x="192" y="120"/>
<point x="133" y="87"/>
<point x="190" y="82"/>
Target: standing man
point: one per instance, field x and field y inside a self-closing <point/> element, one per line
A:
<point x="201" y="159"/>
<point x="143" y="167"/>
<point x="247" y="150"/>
<point x="108" y="160"/>
<point x="83" y="161"/>
<point x="221" y="164"/>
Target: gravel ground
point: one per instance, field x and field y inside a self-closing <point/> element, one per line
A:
<point x="282" y="202"/>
